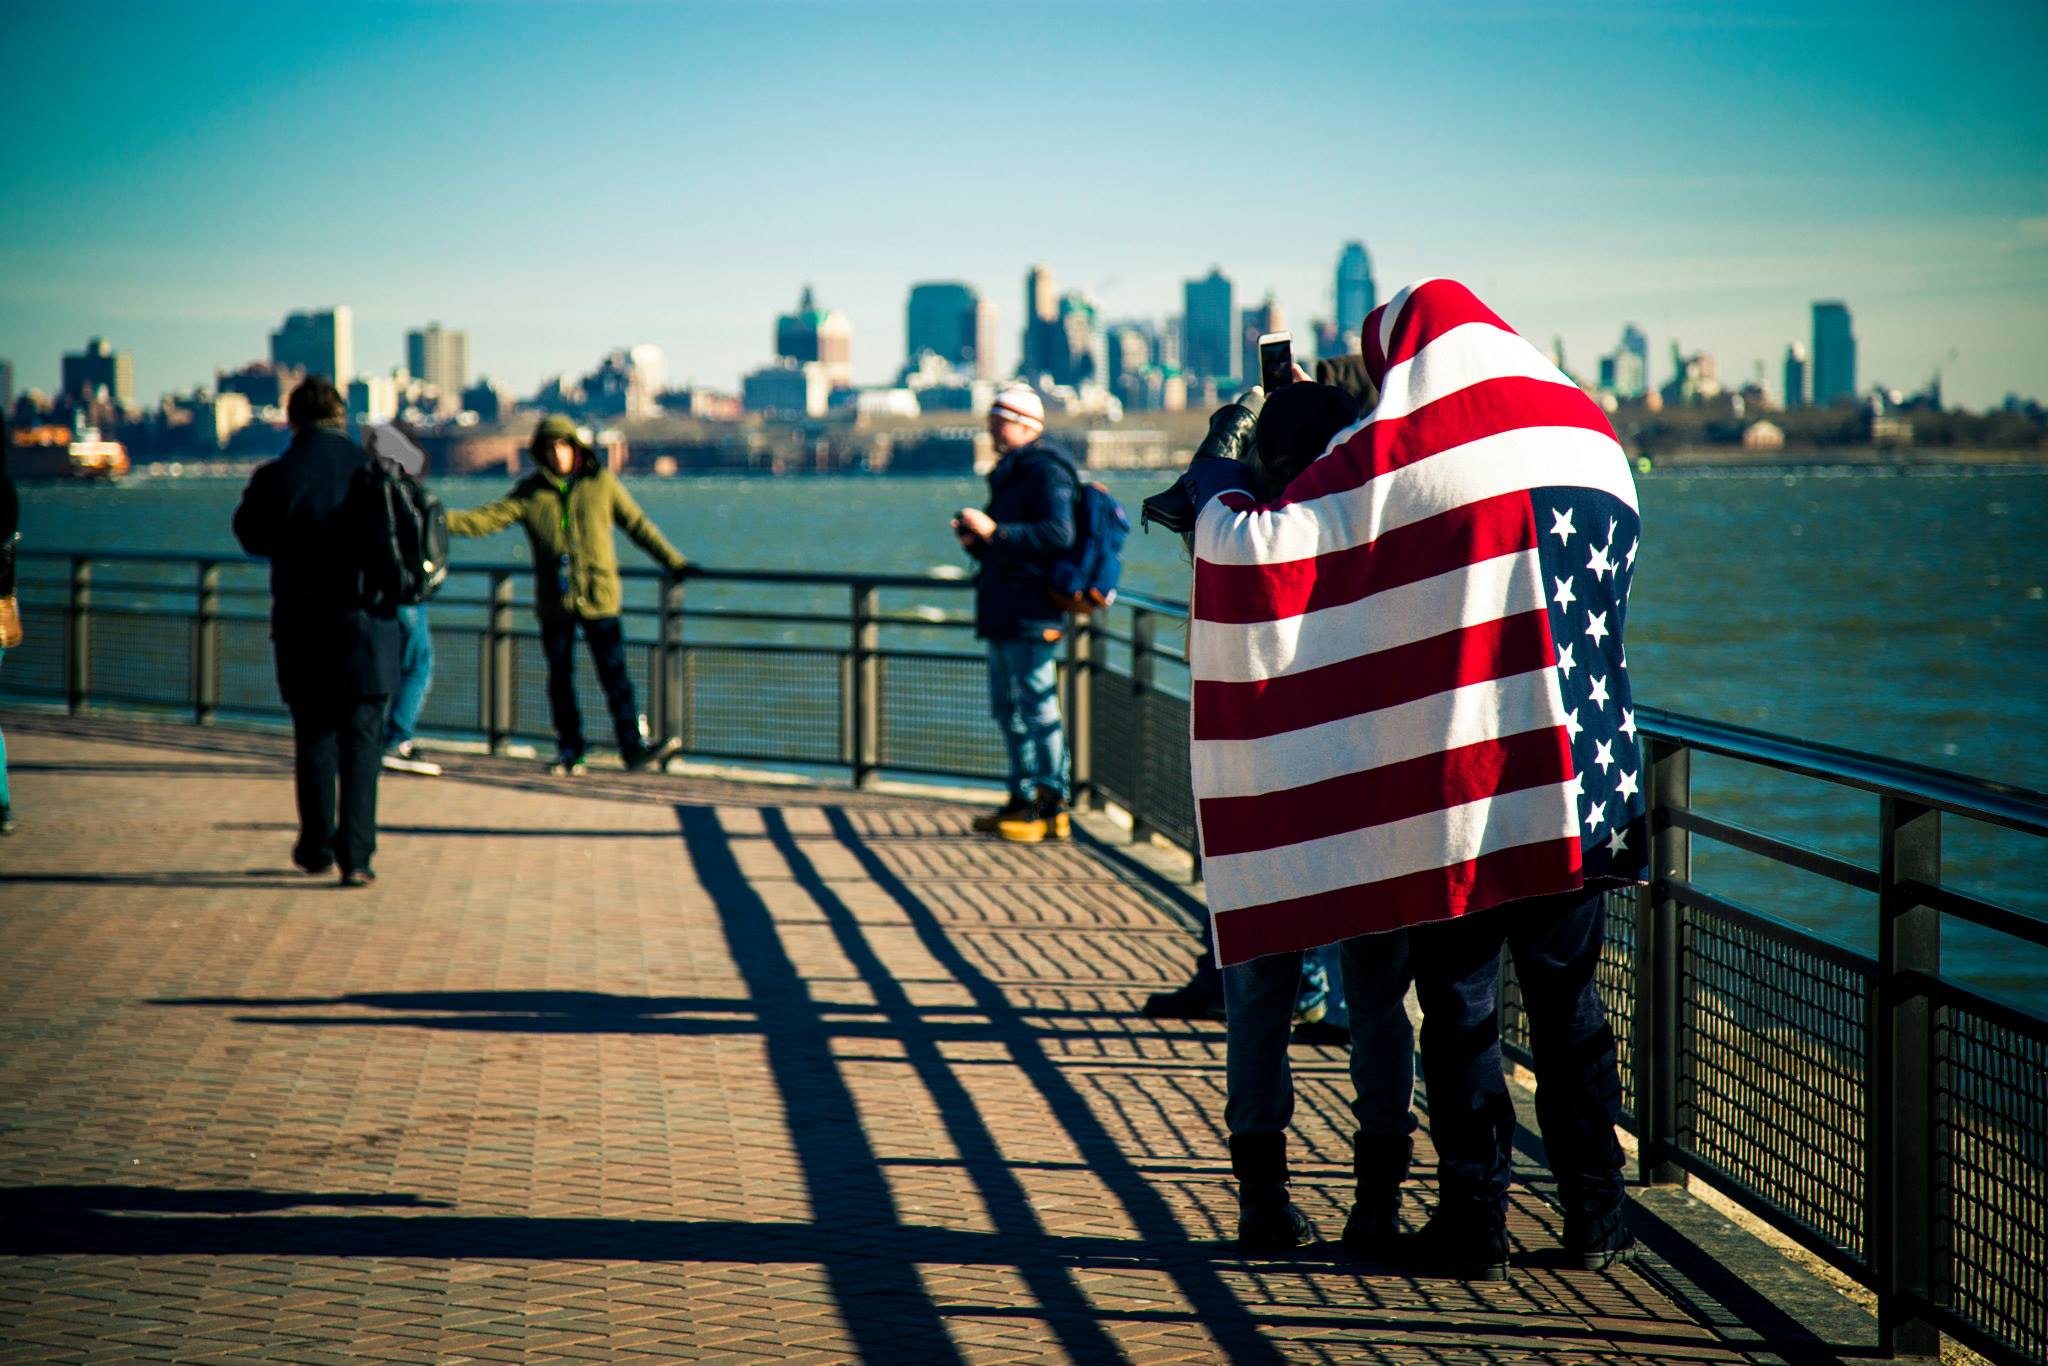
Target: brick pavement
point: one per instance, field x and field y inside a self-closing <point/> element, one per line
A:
<point x="648" y="1069"/>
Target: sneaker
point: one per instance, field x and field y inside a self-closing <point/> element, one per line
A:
<point x="567" y="765"/>
<point x="404" y="759"/>
<point x="6" y="820"/>
<point x="1017" y="808"/>
<point x="1046" y="819"/>
<point x="653" y="757"/>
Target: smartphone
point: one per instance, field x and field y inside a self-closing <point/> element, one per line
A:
<point x="1276" y="360"/>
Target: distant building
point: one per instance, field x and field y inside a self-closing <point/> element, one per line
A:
<point x="816" y="335"/>
<point x="1207" y="349"/>
<point x="942" y="450"/>
<point x="1795" y="376"/>
<point x="99" y="371"/>
<point x="265" y="385"/>
<point x="487" y="401"/>
<point x="1044" y="341"/>
<point x="1695" y="378"/>
<point x="1834" y="353"/>
<point x="1763" y="436"/>
<point x="954" y="323"/>
<point x="1625" y="371"/>
<point x="321" y="342"/>
<point x="440" y="356"/>
<point x="1267" y="317"/>
<point x="625" y="383"/>
<point x="1083" y="344"/>
<point x="1356" y="296"/>
<point x="372" y="399"/>
<point x="790" y="388"/>
<point x="1129" y="349"/>
<point x="6" y="385"/>
<point x="1330" y="342"/>
<point x="1117" y="448"/>
<point x="216" y="419"/>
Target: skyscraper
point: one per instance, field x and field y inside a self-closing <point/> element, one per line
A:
<point x="1795" y="375"/>
<point x="1356" y="296"/>
<point x="6" y="385"/>
<point x="1834" y="353"/>
<point x="321" y="342"/>
<point x="816" y="334"/>
<point x="439" y="356"/>
<point x="1625" y="371"/>
<point x="1207" y="351"/>
<point x="99" y="367"/>
<point x="953" y="322"/>
<point x="1267" y="317"/>
<point x="1045" y="346"/>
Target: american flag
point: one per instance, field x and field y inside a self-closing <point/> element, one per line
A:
<point x="1411" y="700"/>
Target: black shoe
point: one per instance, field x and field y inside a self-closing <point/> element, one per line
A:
<point x="1267" y="1220"/>
<point x="647" y="757"/>
<point x="1015" y="809"/>
<point x="567" y="765"/>
<point x="6" y="819"/>
<point x="1594" y="1242"/>
<point x="357" y="877"/>
<point x="311" y="864"/>
<point x="1462" y="1244"/>
<point x="1379" y="1165"/>
<point x="1322" y="1033"/>
<point x="1195" y="1001"/>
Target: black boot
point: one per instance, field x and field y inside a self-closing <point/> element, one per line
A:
<point x="1464" y="1241"/>
<point x="1267" y="1221"/>
<point x="1379" y="1164"/>
<point x="1201" y="998"/>
<point x="1596" y="1240"/>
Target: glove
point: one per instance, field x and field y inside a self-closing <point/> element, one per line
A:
<point x="1220" y="463"/>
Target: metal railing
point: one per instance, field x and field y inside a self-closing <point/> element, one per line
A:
<point x="1880" y="1113"/>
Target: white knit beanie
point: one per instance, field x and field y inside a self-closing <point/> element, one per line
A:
<point x="1020" y="403"/>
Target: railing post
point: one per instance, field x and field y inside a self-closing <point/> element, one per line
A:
<point x="1657" y="969"/>
<point x="668" y="692"/>
<point x="1080" y="716"/>
<point x="497" y="671"/>
<point x="1144" y="632"/>
<point x="864" y="709"/>
<point x="206" y="646"/>
<point x="1899" y="1190"/>
<point x="78" y="618"/>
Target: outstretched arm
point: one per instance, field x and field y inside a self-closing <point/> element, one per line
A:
<point x="642" y="531"/>
<point x="493" y="516"/>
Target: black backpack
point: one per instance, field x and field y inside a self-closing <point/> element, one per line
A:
<point x="405" y="535"/>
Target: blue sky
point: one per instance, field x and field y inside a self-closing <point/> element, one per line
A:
<point x="560" y="179"/>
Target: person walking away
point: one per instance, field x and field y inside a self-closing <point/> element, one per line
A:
<point x="10" y="533"/>
<point x="385" y="441"/>
<point x="1028" y="521"/>
<point x="337" y="662"/>
<point x="567" y="507"/>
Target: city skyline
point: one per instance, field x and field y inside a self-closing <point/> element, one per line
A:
<point x="1916" y="186"/>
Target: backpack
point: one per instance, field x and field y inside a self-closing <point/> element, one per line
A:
<point x="405" y="535"/>
<point x="1083" y="577"/>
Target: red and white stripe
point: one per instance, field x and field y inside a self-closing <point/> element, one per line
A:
<point x="1379" y="736"/>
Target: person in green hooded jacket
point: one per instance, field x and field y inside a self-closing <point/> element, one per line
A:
<point x="568" y="507"/>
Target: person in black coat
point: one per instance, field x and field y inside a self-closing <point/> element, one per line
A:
<point x="337" y="664"/>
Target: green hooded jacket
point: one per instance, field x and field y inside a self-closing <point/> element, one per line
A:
<point x="572" y="516"/>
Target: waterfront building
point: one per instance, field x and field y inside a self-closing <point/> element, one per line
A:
<point x="814" y="335"/>
<point x="1795" y="375"/>
<point x="1329" y="340"/>
<point x="1625" y="371"/>
<point x="6" y="385"/>
<point x="953" y="322"/>
<point x="1694" y="379"/>
<point x="319" y="342"/>
<point x="789" y="388"/>
<point x="1128" y="348"/>
<point x="1044" y="342"/>
<point x="1834" y="353"/>
<point x="372" y="399"/>
<point x="264" y="384"/>
<point x="1267" y="317"/>
<point x="1356" y="297"/>
<point x="1207" y="332"/>
<point x="440" y="357"/>
<point x="626" y="382"/>
<point x="99" y="372"/>
<point x="1084" y="345"/>
<point x="217" y="417"/>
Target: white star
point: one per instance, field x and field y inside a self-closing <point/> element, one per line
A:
<point x="1617" y="843"/>
<point x="1600" y="564"/>
<point x="1576" y="788"/>
<point x="1596" y="817"/>
<point x="1628" y="718"/>
<point x="1610" y="532"/>
<point x="1599" y="698"/>
<point x="1596" y="626"/>
<point x="1603" y="754"/>
<point x="1565" y="592"/>
<point x="1629" y="562"/>
<point x="1572" y="723"/>
<point x="1628" y="783"/>
<point x="1565" y="663"/>
<point x="1561" y="525"/>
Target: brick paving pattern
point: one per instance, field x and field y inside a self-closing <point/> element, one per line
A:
<point x="647" y="1069"/>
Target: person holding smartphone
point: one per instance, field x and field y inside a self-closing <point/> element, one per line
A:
<point x="568" y="507"/>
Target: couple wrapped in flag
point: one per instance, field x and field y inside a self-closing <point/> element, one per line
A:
<point x="1413" y="733"/>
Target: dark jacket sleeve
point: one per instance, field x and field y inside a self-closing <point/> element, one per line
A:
<point x="260" y="517"/>
<point x="1054" y="529"/>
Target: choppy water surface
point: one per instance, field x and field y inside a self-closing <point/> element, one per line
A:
<point x="1901" y="614"/>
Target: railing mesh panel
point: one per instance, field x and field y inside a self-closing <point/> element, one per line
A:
<point x="1773" y="1054"/>
<point x="35" y="668"/>
<point x="1615" y="979"/>
<point x="453" y="700"/>
<point x="1116" y="740"/>
<point x="760" y="704"/>
<point x="1169" y="800"/>
<point x="935" y="715"/>
<point x="1991" y="1177"/>
<point x="141" y="659"/>
<point x="248" y="669"/>
<point x="531" y="715"/>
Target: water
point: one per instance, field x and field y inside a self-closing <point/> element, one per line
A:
<point x="1905" y="614"/>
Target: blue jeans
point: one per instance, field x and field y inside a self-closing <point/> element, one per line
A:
<point x="1024" y="698"/>
<point x="1556" y="943"/>
<point x="415" y="675"/>
<point x="1258" y="1005"/>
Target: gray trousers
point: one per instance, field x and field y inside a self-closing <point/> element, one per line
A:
<point x="1258" y="1003"/>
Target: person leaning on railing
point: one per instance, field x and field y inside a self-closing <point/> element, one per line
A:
<point x="567" y="507"/>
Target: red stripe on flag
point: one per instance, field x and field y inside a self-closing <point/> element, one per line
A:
<point x="1505" y="875"/>
<point x="1391" y="792"/>
<point x="1385" y="678"/>
<point x="1258" y="593"/>
<point x="1432" y="310"/>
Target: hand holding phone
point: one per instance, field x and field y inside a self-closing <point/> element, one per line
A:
<point x="1276" y="360"/>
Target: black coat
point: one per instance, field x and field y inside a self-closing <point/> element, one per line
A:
<point x="1031" y="499"/>
<point x="296" y="513"/>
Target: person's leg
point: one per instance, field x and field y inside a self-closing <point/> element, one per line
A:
<point x="1038" y="706"/>
<point x="1259" y="1099"/>
<point x="415" y="676"/>
<point x="360" y="731"/>
<point x="1471" y="1118"/>
<point x="607" y="640"/>
<point x="1004" y="697"/>
<point x="315" y="756"/>
<point x="1556" y="945"/>
<point x="1374" y="980"/>
<point x="558" y="645"/>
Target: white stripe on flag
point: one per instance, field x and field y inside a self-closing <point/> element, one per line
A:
<point x="1459" y="359"/>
